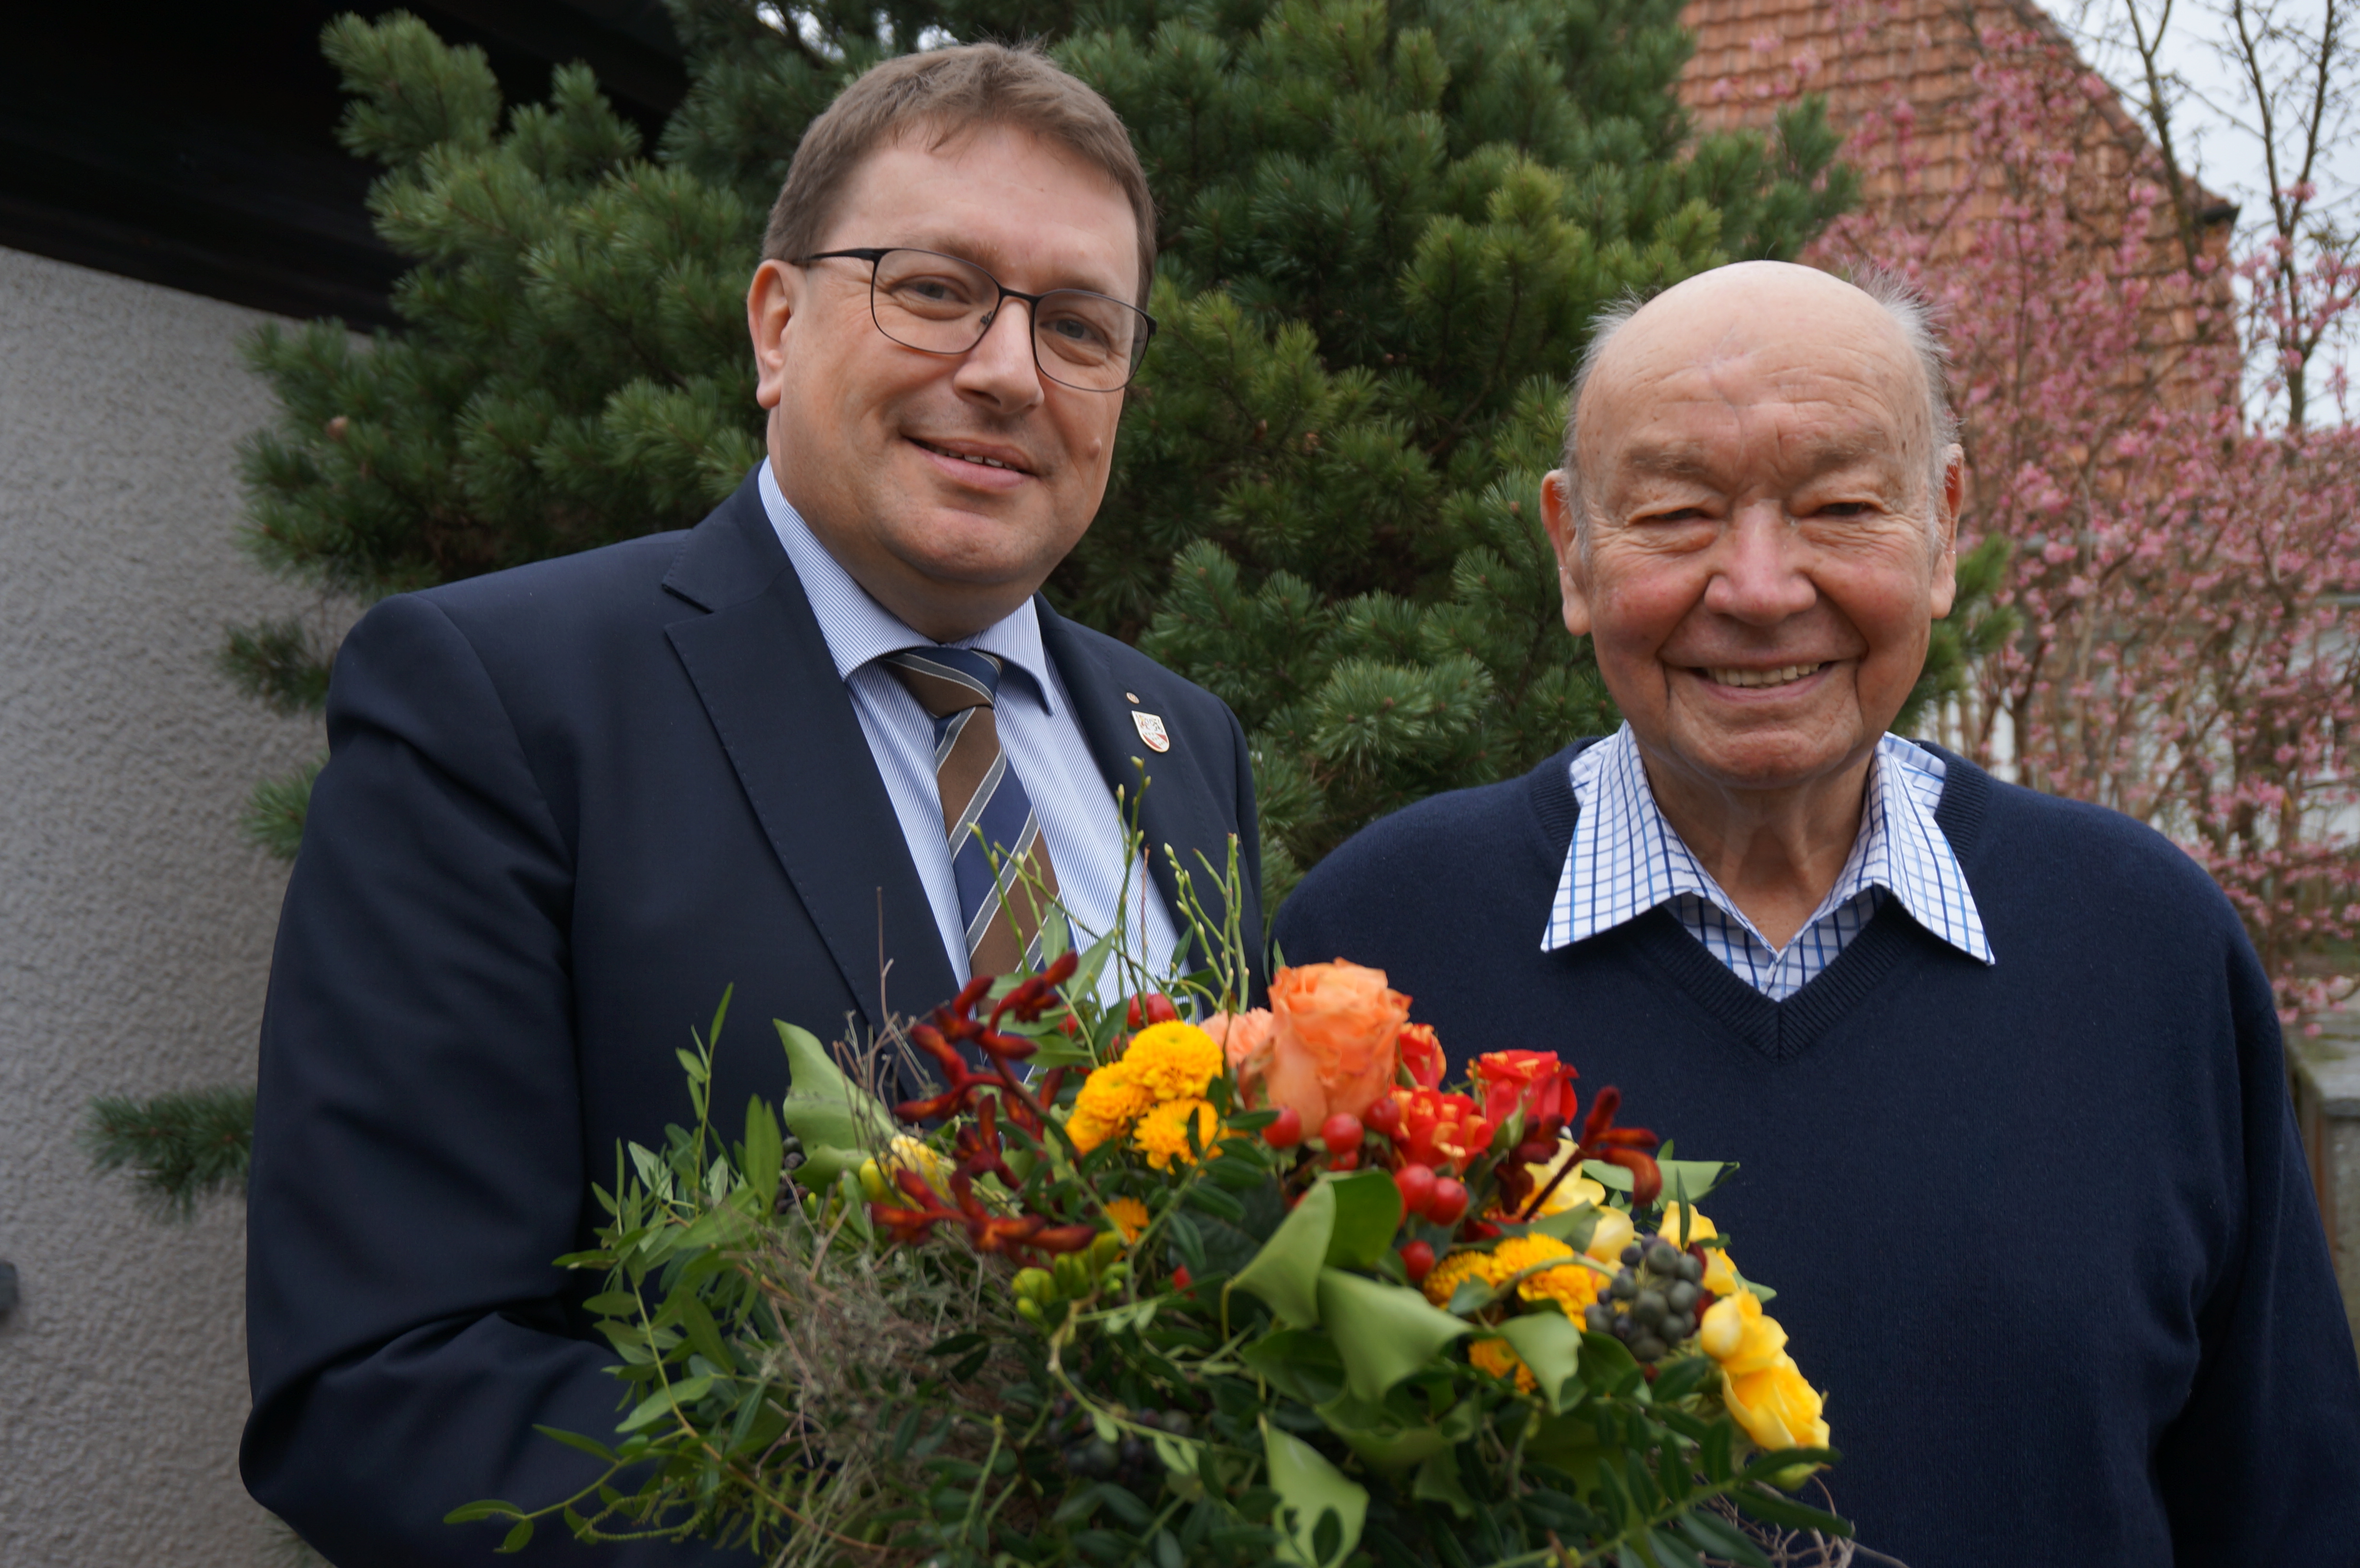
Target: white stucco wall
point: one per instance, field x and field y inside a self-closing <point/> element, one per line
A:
<point x="134" y="922"/>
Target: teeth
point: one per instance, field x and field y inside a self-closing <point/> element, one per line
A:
<point x="1778" y="677"/>
<point x="966" y="456"/>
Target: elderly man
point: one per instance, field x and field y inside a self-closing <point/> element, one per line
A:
<point x="569" y="804"/>
<point x="2002" y="1072"/>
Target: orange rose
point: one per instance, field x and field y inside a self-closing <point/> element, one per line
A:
<point x="1333" y="1044"/>
<point x="1245" y="1044"/>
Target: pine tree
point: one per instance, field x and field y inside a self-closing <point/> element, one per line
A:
<point x="1385" y="227"/>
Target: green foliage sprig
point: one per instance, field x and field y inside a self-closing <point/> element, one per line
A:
<point x="179" y="1147"/>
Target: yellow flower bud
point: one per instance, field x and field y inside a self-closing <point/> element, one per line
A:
<point x="1034" y="1284"/>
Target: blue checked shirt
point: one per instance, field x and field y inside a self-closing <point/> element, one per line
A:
<point x="1627" y="860"/>
<point x="1035" y="720"/>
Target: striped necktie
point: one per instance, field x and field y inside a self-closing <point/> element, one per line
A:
<point x="986" y="813"/>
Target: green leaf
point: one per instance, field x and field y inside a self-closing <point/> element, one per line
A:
<point x="1716" y="1535"/>
<point x="1776" y="1508"/>
<point x="1213" y="1200"/>
<point x="685" y="1392"/>
<point x="518" y="1537"/>
<point x="590" y="1446"/>
<point x="703" y="1332"/>
<point x="1303" y="1363"/>
<point x="1438" y="1482"/>
<point x="490" y="1508"/>
<point x="1310" y="1490"/>
<point x="1573" y="1226"/>
<point x="1383" y="1332"/>
<point x="824" y="1108"/>
<point x="1286" y="1272"/>
<point x="1368" y="1214"/>
<point x="1693" y="1179"/>
<point x="764" y="1149"/>
<point x="1551" y="1344"/>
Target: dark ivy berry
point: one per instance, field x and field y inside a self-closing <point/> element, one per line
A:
<point x="1663" y="1258"/>
<point x="1633" y="1254"/>
<point x="1598" y="1318"/>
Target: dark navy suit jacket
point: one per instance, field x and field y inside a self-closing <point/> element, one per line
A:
<point x="566" y="806"/>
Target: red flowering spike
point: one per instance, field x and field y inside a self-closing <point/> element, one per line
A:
<point x="1064" y="1238"/>
<point x="1646" y="1177"/>
<point x="1601" y="1114"/>
<point x="1007" y="1047"/>
<point x="1181" y="1279"/>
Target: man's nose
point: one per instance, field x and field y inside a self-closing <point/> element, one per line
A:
<point x="1001" y="368"/>
<point x="1761" y="576"/>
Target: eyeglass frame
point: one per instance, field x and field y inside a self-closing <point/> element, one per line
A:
<point x="872" y="254"/>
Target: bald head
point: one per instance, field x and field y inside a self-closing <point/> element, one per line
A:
<point x="1776" y="307"/>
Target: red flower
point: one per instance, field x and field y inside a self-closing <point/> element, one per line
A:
<point x="1421" y="1053"/>
<point x="1439" y="1130"/>
<point x="1535" y="1080"/>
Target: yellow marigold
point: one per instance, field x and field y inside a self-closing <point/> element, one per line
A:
<point x="1107" y="1106"/>
<point x="1163" y="1134"/>
<point x="1497" y="1357"/>
<point x="1172" y="1061"/>
<point x="1571" y="1288"/>
<point x="1130" y="1216"/>
<point x="1457" y="1269"/>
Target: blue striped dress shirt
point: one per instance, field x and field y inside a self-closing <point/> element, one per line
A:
<point x="1035" y="719"/>
<point x="1627" y="860"/>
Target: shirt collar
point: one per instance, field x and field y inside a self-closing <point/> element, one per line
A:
<point x="860" y="630"/>
<point x="1625" y="859"/>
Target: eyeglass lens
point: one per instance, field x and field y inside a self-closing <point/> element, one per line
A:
<point x="943" y="305"/>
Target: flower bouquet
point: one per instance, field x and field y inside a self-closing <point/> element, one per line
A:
<point x="1129" y="1288"/>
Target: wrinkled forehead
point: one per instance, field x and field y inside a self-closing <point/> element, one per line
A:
<point x="1699" y="399"/>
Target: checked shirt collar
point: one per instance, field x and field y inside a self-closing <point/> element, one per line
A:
<point x="1625" y="860"/>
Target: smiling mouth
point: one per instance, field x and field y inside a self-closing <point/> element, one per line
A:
<point x="1785" y="675"/>
<point x="969" y="457"/>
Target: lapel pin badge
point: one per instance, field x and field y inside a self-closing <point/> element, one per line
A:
<point x="1152" y="731"/>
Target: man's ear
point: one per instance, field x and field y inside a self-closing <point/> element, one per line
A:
<point x="772" y="300"/>
<point x="1572" y="580"/>
<point x="1944" y="589"/>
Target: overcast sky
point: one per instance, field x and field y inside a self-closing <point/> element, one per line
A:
<point x="2217" y="112"/>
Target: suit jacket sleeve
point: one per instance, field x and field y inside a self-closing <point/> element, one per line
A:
<point x="418" y="1149"/>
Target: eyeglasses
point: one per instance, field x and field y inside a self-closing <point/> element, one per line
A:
<point x="940" y="304"/>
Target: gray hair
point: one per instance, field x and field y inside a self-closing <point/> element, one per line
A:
<point x="1903" y="302"/>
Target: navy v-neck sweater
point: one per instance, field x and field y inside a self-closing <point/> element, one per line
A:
<point x="2041" y="1229"/>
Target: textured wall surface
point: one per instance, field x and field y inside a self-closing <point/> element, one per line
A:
<point x="134" y="922"/>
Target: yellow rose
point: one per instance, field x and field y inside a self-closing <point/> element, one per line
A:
<point x="1614" y="1233"/>
<point x="1719" y="1277"/>
<point x="1759" y="1381"/>
<point x="1776" y="1406"/>
<point x="1736" y="1333"/>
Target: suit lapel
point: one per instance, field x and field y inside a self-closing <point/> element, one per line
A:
<point x="1177" y="810"/>
<point x="764" y="671"/>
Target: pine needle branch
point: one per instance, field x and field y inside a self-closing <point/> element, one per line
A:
<point x="179" y="1147"/>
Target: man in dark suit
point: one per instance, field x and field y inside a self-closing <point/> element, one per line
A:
<point x="569" y="804"/>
